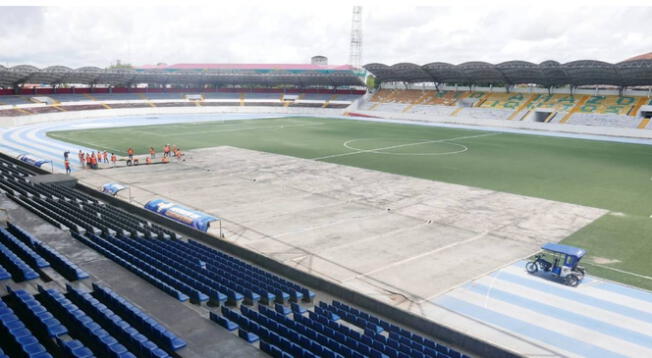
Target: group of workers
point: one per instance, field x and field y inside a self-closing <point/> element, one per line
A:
<point x="168" y="152"/>
<point x="91" y="160"/>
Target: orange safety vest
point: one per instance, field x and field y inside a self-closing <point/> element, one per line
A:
<point x="67" y="164"/>
<point x="130" y="151"/>
<point x="113" y="158"/>
<point x="165" y="160"/>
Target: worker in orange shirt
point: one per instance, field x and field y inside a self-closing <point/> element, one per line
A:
<point x="105" y="155"/>
<point x="166" y="151"/>
<point x="88" y="161"/>
<point x="113" y="159"/>
<point x="177" y="153"/>
<point x="152" y="152"/>
<point x="130" y="153"/>
<point x="148" y="160"/>
<point x="93" y="161"/>
<point x="66" y="163"/>
<point x="165" y="160"/>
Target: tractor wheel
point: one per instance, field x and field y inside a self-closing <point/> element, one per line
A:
<point x="531" y="267"/>
<point x="581" y="273"/>
<point x="572" y="280"/>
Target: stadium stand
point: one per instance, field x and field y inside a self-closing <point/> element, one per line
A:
<point x="80" y="324"/>
<point x="505" y="82"/>
<point x="177" y="98"/>
<point x="583" y="110"/>
<point x="263" y="308"/>
<point x="14" y="100"/>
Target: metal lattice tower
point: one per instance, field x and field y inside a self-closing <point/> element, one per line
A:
<point x="355" y="52"/>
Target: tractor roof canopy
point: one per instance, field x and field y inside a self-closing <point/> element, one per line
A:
<point x="564" y="249"/>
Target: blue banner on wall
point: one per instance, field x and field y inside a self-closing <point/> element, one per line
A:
<point x="31" y="160"/>
<point x="179" y="213"/>
<point x="112" y="188"/>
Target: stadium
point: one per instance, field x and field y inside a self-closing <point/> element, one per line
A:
<point x="316" y="210"/>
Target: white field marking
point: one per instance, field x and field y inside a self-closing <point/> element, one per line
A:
<point x="464" y="148"/>
<point x="412" y="258"/>
<point x="403" y="145"/>
<point x="373" y="237"/>
<point x="622" y="271"/>
<point x="241" y="129"/>
<point x="95" y="146"/>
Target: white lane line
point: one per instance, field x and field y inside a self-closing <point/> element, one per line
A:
<point x="403" y="145"/>
<point x="574" y="330"/>
<point x="621" y="271"/>
<point x="348" y="145"/>
<point x="280" y="126"/>
<point x="596" y="313"/>
<point x="412" y="258"/>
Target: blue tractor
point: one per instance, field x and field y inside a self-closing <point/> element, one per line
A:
<point x="560" y="261"/>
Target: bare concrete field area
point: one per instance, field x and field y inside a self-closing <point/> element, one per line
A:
<point x="399" y="239"/>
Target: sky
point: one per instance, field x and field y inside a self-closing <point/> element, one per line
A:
<point x="292" y="32"/>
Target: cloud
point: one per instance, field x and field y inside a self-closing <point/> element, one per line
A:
<point x="272" y="33"/>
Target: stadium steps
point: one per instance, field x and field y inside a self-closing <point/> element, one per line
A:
<point x="242" y="99"/>
<point x="641" y="102"/>
<point x="329" y="100"/>
<point x="419" y="100"/>
<point x="643" y="123"/>
<point x="89" y="96"/>
<point x="520" y="108"/>
<point x="455" y="112"/>
<point x="143" y="97"/>
<point x="550" y="117"/>
<point x="482" y="100"/>
<point x="574" y="110"/>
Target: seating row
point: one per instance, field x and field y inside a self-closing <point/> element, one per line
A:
<point x="19" y="270"/>
<point x="23" y="251"/>
<point x="155" y="277"/>
<point x="17" y="340"/>
<point x="140" y="320"/>
<point x="82" y="326"/>
<point x="251" y="272"/>
<point x="115" y="325"/>
<point x="60" y="263"/>
<point x="395" y="333"/>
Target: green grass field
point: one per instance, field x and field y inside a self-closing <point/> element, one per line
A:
<point x="609" y="175"/>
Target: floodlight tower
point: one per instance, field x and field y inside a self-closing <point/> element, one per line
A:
<point x="355" y="52"/>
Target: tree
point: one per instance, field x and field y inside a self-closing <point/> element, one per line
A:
<point x="119" y="65"/>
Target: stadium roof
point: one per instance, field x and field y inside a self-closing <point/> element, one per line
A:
<point x="636" y="72"/>
<point x="187" y="74"/>
<point x="247" y="66"/>
<point x="645" y="56"/>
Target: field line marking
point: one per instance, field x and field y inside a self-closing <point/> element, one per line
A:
<point x="347" y="144"/>
<point x="403" y="145"/>
<point x="249" y="128"/>
<point x="620" y="271"/>
<point x="412" y="258"/>
<point x="91" y="145"/>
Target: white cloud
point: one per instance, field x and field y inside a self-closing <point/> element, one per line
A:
<point x="278" y="32"/>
